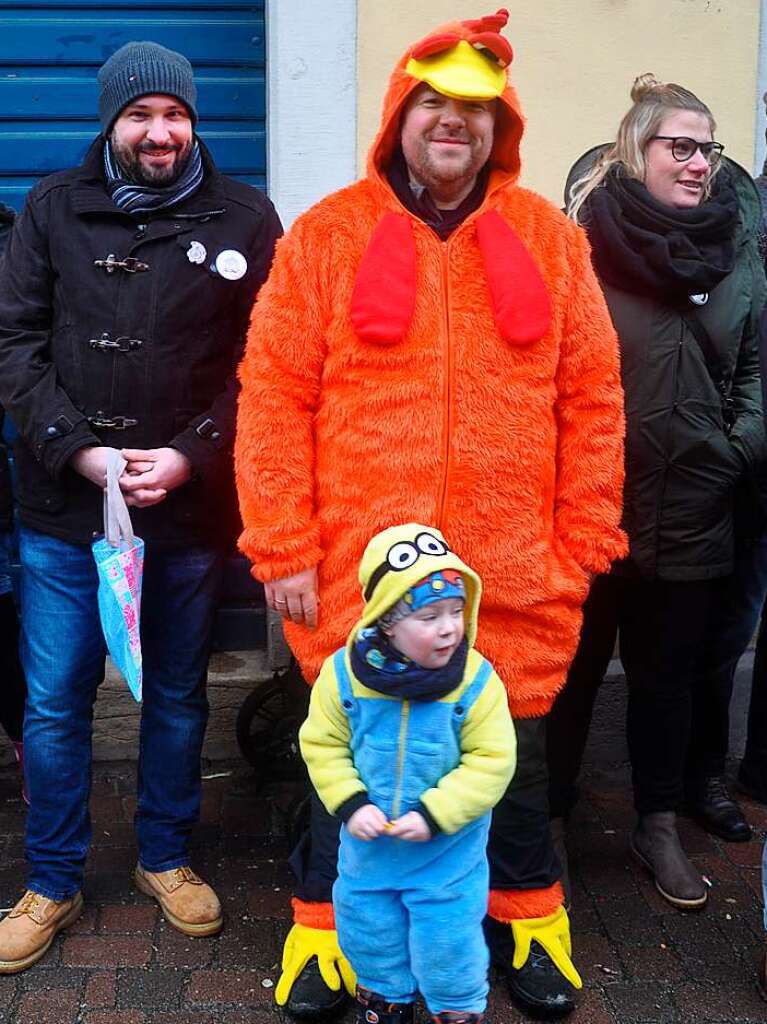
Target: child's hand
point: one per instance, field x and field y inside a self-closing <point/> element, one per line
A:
<point x="411" y="826"/>
<point x="367" y="823"/>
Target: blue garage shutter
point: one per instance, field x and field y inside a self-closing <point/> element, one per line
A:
<point x="50" y="52"/>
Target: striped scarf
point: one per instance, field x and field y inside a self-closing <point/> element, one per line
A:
<point x="143" y="198"/>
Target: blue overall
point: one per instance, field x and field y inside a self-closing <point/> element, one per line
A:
<point x="409" y="915"/>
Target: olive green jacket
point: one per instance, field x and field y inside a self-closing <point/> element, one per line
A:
<point x="682" y="466"/>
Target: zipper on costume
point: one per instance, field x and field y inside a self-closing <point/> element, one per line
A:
<point x="447" y="391"/>
<point x="404" y="718"/>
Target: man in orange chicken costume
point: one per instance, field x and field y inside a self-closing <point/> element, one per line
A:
<point x="433" y="346"/>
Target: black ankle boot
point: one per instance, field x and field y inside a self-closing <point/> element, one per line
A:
<point x="374" y="1009"/>
<point x="537" y="987"/>
<point x="711" y="805"/>
<point x="310" y="998"/>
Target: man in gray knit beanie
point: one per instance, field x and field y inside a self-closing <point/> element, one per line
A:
<point x="151" y="258"/>
<point x="147" y="109"/>
<point x="139" y="69"/>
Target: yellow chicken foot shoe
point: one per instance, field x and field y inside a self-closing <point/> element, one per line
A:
<point x="27" y="932"/>
<point x="316" y="976"/>
<point x="535" y="956"/>
<point x="188" y="903"/>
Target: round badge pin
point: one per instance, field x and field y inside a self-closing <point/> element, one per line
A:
<point x="700" y="300"/>
<point x="196" y="253"/>
<point x="231" y="264"/>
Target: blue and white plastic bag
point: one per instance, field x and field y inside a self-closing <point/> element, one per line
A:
<point x="119" y="557"/>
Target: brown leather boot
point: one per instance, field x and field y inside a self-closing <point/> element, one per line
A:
<point x="656" y="845"/>
<point x="27" y="932"/>
<point x="188" y="903"/>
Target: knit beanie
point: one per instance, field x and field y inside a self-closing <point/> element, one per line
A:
<point x="414" y="560"/>
<point x="141" y="69"/>
<point x="441" y="585"/>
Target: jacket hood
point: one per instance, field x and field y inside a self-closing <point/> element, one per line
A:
<point x="401" y="556"/>
<point x="509" y="124"/>
<point x="743" y="183"/>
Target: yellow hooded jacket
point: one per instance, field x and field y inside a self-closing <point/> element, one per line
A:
<point x="487" y="739"/>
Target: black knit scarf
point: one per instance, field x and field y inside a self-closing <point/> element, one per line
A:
<point x="646" y="247"/>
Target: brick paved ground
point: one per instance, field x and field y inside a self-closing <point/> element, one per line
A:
<point x="122" y="964"/>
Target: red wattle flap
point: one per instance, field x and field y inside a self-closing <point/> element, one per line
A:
<point x="520" y="301"/>
<point x="383" y="300"/>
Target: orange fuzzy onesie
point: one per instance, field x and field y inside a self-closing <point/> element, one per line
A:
<point x="474" y="384"/>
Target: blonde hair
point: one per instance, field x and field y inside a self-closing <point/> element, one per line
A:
<point x="652" y="101"/>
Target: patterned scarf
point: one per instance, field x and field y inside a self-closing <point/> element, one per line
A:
<point x="381" y="667"/>
<point x="143" y="198"/>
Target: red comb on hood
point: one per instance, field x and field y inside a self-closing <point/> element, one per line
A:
<point x="481" y="33"/>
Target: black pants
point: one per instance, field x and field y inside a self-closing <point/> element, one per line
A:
<point x="519" y="850"/>
<point x="738" y="604"/>
<point x="662" y="626"/>
<point x="13" y="690"/>
<point x="753" y="767"/>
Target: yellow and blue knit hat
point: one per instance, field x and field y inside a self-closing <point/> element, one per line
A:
<point x="414" y="561"/>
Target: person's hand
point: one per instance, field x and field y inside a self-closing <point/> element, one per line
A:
<point x="92" y="464"/>
<point x="295" y="597"/>
<point x="412" y="827"/>
<point x="369" y="822"/>
<point x="151" y="473"/>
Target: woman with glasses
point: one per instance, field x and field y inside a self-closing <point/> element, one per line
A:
<point x="672" y="226"/>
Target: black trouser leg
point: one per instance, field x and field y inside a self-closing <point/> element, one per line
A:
<point x="568" y="723"/>
<point x="737" y="603"/>
<point x="13" y="689"/>
<point x="754" y="765"/>
<point x="663" y="627"/>
<point x="519" y="849"/>
<point x="315" y="859"/>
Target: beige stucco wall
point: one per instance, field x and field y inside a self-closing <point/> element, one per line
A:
<point x="574" y="64"/>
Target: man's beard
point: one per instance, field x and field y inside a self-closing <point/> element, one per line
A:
<point x="130" y="163"/>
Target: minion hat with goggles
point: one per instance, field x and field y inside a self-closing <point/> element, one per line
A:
<point x="401" y="558"/>
<point x="468" y="63"/>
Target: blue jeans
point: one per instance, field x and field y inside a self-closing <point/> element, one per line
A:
<point x="63" y="656"/>
<point x="5" y="564"/>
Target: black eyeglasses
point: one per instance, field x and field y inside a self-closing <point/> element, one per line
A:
<point x="684" y="148"/>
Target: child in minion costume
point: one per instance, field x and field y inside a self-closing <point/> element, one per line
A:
<point x="412" y="757"/>
<point x="525" y="475"/>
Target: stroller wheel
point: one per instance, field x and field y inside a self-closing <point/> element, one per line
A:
<point x="267" y="731"/>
